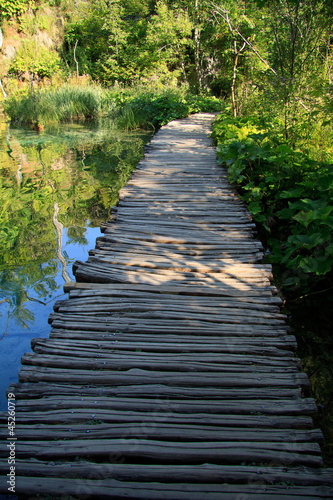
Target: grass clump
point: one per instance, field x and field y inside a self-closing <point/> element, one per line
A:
<point x="67" y="103"/>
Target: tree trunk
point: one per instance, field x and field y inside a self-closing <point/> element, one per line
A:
<point x="197" y="46"/>
<point x="233" y="85"/>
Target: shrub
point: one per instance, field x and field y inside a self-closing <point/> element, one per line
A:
<point x="10" y="8"/>
<point x="153" y="108"/>
<point x="289" y="194"/>
<point x="42" y="62"/>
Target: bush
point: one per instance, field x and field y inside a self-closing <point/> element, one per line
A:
<point x="154" y="108"/>
<point x="42" y="62"/>
<point x="289" y="195"/>
<point x="10" y="8"/>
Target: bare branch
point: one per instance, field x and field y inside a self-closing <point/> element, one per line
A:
<point x="76" y="62"/>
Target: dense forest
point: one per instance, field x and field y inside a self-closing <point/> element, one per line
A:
<point x="266" y="66"/>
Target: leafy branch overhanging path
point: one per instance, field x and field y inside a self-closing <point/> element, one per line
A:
<point x="169" y="372"/>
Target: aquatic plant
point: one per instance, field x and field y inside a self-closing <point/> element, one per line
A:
<point x="63" y="104"/>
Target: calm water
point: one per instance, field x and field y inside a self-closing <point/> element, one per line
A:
<point x="56" y="189"/>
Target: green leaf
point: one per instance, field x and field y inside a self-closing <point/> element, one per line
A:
<point x="255" y="207"/>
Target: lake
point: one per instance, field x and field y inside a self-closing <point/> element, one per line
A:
<point x="57" y="187"/>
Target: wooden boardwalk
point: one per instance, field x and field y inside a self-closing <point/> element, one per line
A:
<point x="169" y="372"/>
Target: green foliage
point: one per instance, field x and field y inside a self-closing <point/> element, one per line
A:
<point x="157" y="110"/>
<point x="35" y="60"/>
<point x="131" y="109"/>
<point x="10" y="8"/>
<point x="154" y="108"/>
<point x="289" y="195"/>
<point x="128" y="42"/>
<point x="64" y="104"/>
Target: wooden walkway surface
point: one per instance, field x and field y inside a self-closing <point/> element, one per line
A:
<point x="169" y="372"/>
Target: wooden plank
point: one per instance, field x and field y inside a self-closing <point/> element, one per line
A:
<point x="224" y="349"/>
<point x="169" y="362"/>
<point x="164" y="431"/>
<point x="184" y="264"/>
<point x="74" y="350"/>
<point x="205" y="473"/>
<point x="159" y="416"/>
<point x="226" y="344"/>
<point x="162" y="325"/>
<point x="108" y="304"/>
<point x="140" y="377"/>
<point x="304" y="406"/>
<point x="99" y="272"/>
<point x="146" y="312"/>
<point x="41" y="389"/>
<point x="188" y="293"/>
<point x="169" y="452"/>
<point x="221" y="244"/>
<point x="246" y="256"/>
<point x="109" y="488"/>
<point x="233" y="203"/>
<point x="135" y="297"/>
<point x="181" y="199"/>
<point x="182" y="235"/>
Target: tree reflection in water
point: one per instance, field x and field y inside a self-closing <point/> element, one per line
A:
<point x="56" y="189"/>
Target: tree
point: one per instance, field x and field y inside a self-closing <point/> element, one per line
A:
<point x="285" y="37"/>
<point x="241" y="36"/>
<point x="168" y="37"/>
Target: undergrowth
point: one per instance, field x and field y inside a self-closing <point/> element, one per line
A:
<point x="129" y="108"/>
<point x="153" y="108"/>
<point x="289" y="194"/>
<point x="291" y="198"/>
<point x="50" y="106"/>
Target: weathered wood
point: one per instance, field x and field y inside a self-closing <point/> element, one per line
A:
<point x="182" y="235"/>
<point x="127" y="356"/>
<point x="159" y="416"/>
<point x="245" y="256"/>
<point x="113" y="324"/>
<point x="185" y="265"/>
<point x="95" y="271"/>
<point x="41" y="389"/>
<point x="206" y="473"/>
<point x="262" y="407"/>
<point x="141" y="377"/>
<point x="109" y="488"/>
<point x="168" y="363"/>
<point x="169" y="371"/>
<point x="164" y="431"/>
<point x="226" y="343"/>
<point x="119" y="297"/>
<point x="169" y="452"/>
<point x="211" y="314"/>
<point x="232" y="246"/>
<point x="208" y="293"/>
